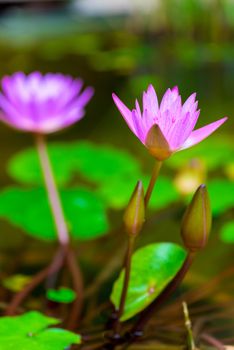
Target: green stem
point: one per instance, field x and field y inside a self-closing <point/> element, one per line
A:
<point x="152" y="182"/>
<point x="52" y="191"/>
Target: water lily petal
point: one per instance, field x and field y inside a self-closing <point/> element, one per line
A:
<point x="200" y="134"/>
<point x="125" y="111"/>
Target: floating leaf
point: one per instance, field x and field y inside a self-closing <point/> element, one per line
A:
<point x="16" y="283"/>
<point x="29" y="332"/>
<point x="214" y="152"/>
<point x="227" y="232"/>
<point x="221" y="195"/>
<point x="85" y="212"/>
<point x="117" y="193"/>
<point x="61" y="295"/>
<point x="25" y="166"/>
<point x="153" y="267"/>
<point x="95" y="163"/>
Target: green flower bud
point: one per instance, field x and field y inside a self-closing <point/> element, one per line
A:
<point x="196" y="223"/>
<point x="134" y="215"/>
<point x="156" y="143"/>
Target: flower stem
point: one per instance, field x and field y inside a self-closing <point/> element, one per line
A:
<point x="55" y="266"/>
<point x="52" y="191"/>
<point x="188" y="326"/>
<point x="127" y="270"/>
<point x="152" y="182"/>
<point x="146" y="315"/>
<point x="77" y="281"/>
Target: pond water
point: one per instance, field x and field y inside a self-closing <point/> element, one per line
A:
<point x="125" y="58"/>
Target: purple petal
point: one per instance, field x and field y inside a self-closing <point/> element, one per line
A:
<point x="126" y="113"/>
<point x="85" y="96"/>
<point x="55" y="124"/>
<point x="200" y="134"/>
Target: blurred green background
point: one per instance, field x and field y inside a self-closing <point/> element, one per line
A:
<point x="123" y="46"/>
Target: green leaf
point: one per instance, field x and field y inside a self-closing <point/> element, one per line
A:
<point x="29" y="332"/>
<point x="16" y="283"/>
<point x="25" y="167"/>
<point x="214" y="152"/>
<point x="227" y="232"/>
<point x="95" y="163"/>
<point x="153" y="267"/>
<point x="61" y="295"/>
<point x="118" y="192"/>
<point x="221" y="195"/>
<point x="84" y="211"/>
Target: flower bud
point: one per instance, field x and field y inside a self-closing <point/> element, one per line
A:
<point x="134" y="215"/>
<point x="157" y="144"/>
<point x="196" y="223"/>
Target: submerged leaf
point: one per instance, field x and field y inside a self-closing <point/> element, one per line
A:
<point x="84" y="211"/>
<point x="16" y="283"/>
<point x="153" y="267"/>
<point x="29" y="332"/>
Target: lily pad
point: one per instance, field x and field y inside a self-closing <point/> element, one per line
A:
<point x="85" y="212"/>
<point x="29" y="332"/>
<point x="98" y="164"/>
<point x="227" y="232"/>
<point x="214" y="152"/>
<point x="61" y="295"/>
<point x="221" y="195"/>
<point x="153" y="267"/>
<point x="117" y="193"/>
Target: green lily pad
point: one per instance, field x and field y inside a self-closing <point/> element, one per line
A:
<point x="153" y="267"/>
<point x="221" y="195"/>
<point x="85" y="212"/>
<point x="117" y="193"/>
<point x="214" y="152"/>
<point x="29" y="332"/>
<point x="61" y="295"/>
<point x="227" y="232"/>
<point x="98" y="164"/>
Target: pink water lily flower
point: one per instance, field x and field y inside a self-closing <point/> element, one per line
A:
<point x="42" y="103"/>
<point x="168" y="127"/>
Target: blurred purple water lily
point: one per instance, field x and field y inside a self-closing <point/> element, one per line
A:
<point x="168" y="127"/>
<point x="42" y="103"/>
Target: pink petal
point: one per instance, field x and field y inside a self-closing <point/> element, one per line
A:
<point x="202" y="133"/>
<point x="126" y="113"/>
<point x="189" y="104"/>
<point x="150" y="101"/>
<point x="139" y="132"/>
<point x="169" y="98"/>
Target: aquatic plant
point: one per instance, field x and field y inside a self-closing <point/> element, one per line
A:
<point x="169" y="127"/>
<point x="150" y="274"/>
<point x="42" y="104"/>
